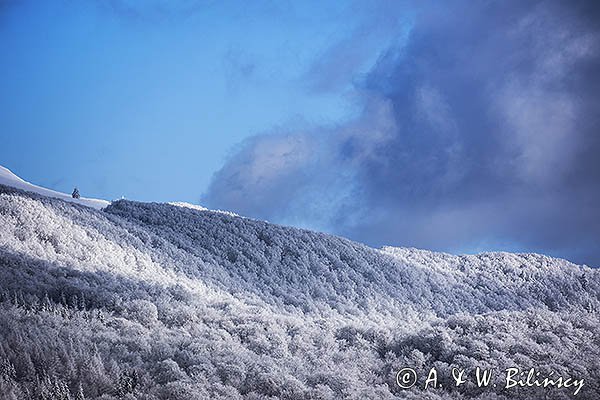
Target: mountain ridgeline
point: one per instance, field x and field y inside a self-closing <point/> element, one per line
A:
<point x="162" y="301"/>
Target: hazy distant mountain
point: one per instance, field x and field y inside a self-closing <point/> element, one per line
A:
<point x="165" y="301"/>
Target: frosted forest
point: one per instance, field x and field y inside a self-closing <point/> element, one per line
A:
<point x="300" y="200"/>
<point x="168" y="301"/>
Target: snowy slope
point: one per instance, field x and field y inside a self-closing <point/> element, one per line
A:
<point x="9" y="179"/>
<point x="163" y="301"/>
<point x="312" y="271"/>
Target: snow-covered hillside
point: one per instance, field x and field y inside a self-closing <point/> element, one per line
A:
<point x="7" y="178"/>
<point x="163" y="301"/>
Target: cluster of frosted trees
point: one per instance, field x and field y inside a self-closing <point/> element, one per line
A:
<point x="155" y="301"/>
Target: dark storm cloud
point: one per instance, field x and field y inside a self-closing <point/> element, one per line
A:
<point x="480" y="132"/>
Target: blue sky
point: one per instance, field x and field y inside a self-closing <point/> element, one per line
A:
<point x="458" y="126"/>
<point x="146" y="101"/>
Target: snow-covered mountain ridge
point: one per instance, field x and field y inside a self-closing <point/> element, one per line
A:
<point x="7" y="178"/>
<point x="167" y="301"/>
